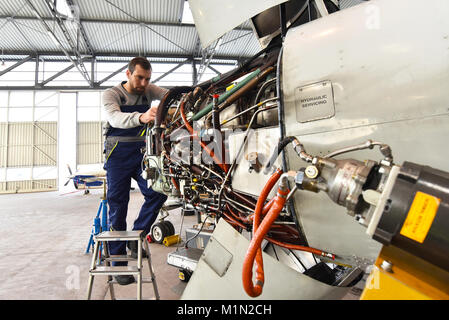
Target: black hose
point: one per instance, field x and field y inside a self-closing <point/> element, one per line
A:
<point x="217" y="129"/>
<point x="280" y="147"/>
<point x="162" y="110"/>
<point x="199" y="231"/>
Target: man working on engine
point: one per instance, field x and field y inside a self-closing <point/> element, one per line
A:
<point x="127" y="108"/>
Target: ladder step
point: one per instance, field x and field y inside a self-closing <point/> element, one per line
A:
<point x="147" y="280"/>
<point x="115" y="271"/>
<point x="120" y="258"/>
<point x="119" y="235"/>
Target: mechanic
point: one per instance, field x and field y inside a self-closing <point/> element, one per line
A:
<point x="128" y="108"/>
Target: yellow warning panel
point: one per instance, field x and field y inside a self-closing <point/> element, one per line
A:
<point x="420" y="216"/>
<point x="382" y="286"/>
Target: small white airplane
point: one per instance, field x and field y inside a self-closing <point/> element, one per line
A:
<point x="86" y="180"/>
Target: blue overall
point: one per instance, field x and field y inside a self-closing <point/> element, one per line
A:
<point x="123" y="163"/>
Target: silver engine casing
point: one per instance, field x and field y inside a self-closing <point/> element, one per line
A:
<point x="359" y="74"/>
<point x="355" y="75"/>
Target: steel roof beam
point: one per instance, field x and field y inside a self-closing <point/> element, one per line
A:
<point x="86" y="77"/>
<point x="151" y="23"/>
<point x="112" y="74"/>
<point x="18" y="63"/>
<point x="53" y="77"/>
<point x="123" y="54"/>
<point x="214" y="70"/>
<point x="79" y="62"/>
<point x="58" y="74"/>
<point x="230" y="62"/>
<point x="170" y="71"/>
<point x="81" y="28"/>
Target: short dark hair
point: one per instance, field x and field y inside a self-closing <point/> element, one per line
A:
<point x="141" y="61"/>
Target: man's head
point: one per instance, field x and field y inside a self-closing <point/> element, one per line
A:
<point x="139" y="74"/>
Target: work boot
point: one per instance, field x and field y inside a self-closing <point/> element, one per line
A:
<point x="132" y="246"/>
<point x="124" y="280"/>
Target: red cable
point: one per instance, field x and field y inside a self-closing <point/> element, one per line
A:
<point x="173" y="179"/>
<point x="203" y="145"/>
<point x="234" y="221"/>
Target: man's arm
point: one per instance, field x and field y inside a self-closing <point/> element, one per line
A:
<point x="115" y="117"/>
<point x="157" y="93"/>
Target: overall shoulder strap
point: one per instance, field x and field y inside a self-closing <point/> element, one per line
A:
<point x="120" y="94"/>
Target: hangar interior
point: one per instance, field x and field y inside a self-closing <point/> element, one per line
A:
<point x="59" y="56"/>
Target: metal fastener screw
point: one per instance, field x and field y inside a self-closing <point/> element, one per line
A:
<point x="311" y="172"/>
<point x="387" y="266"/>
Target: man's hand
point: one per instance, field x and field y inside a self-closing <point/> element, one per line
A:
<point x="148" y="116"/>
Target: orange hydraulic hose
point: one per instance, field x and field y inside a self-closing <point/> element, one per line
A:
<point x="203" y="145"/>
<point x="301" y="248"/>
<point x="254" y="250"/>
<point x="254" y="247"/>
<point x="267" y="207"/>
<point x="263" y="196"/>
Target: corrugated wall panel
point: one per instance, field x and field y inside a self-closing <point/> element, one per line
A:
<point x="45" y="132"/>
<point x="45" y="155"/>
<point x="45" y="141"/>
<point x="3" y="143"/>
<point x="20" y="133"/>
<point x="20" y="156"/>
<point x="32" y="144"/>
<point x="20" y="140"/>
<point x="90" y="143"/>
<point x="28" y="186"/>
<point x="90" y="153"/>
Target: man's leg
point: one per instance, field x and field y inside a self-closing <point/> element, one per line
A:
<point x="150" y="209"/>
<point x="119" y="182"/>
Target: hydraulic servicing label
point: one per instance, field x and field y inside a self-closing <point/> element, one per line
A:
<point x="420" y="216"/>
<point x="314" y="102"/>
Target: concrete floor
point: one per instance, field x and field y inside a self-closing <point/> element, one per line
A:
<point x="44" y="237"/>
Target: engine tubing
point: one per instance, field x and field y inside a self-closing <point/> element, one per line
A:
<point x="173" y="180"/>
<point x="254" y="251"/>
<point x="301" y="248"/>
<point x="267" y="207"/>
<point x="238" y="216"/>
<point x="203" y="145"/>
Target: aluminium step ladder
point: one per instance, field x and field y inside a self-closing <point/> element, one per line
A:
<point x="109" y="270"/>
